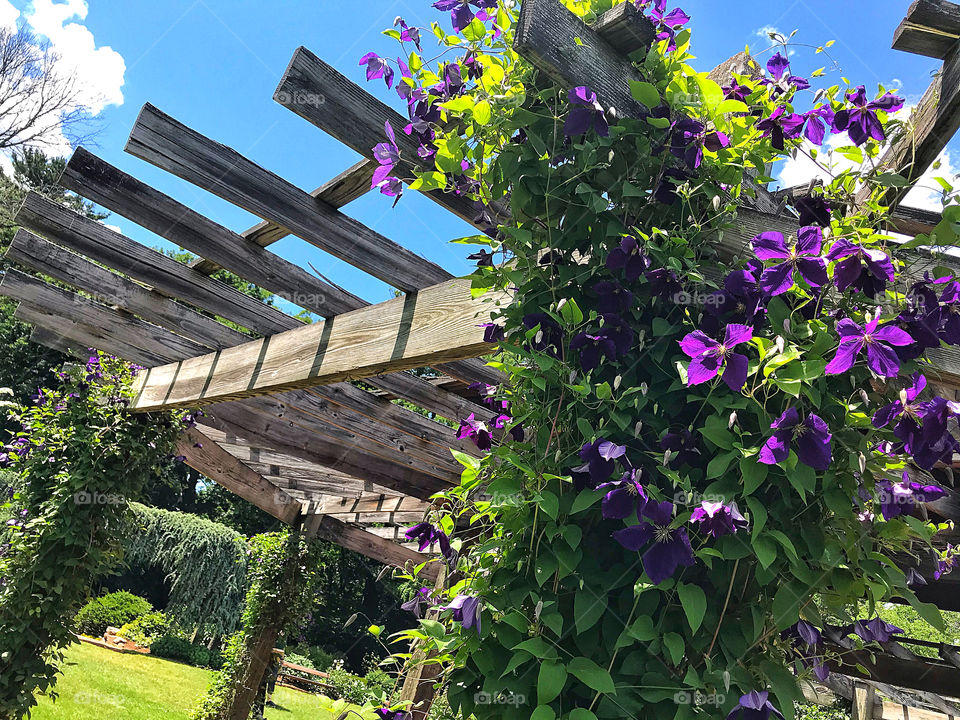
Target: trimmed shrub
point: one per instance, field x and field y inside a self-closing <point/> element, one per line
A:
<point x="112" y="610"/>
<point x="146" y="628"/>
<point x="319" y="658"/>
<point x="175" y="648"/>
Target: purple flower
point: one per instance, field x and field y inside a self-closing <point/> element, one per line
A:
<point x="493" y="333"/>
<point x="813" y="440"/>
<point x="861" y="121"/>
<point x="779" y="126"/>
<point x="736" y="91"/>
<point x="865" y="269"/>
<point x="388" y="714"/>
<point x="419" y="603"/>
<point x="475" y="430"/>
<point x="424" y="533"/>
<point x="875" y="630"/>
<point x="754" y="706"/>
<point x="612" y="297"/>
<point x="906" y="411"/>
<point x="407" y="33"/>
<point x="461" y="14"/>
<point x="549" y="337"/>
<point x="946" y="562"/>
<point x="387" y="155"/>
<point x="377" y="67"/>
<point x="624" y="497"/>
<point x="899" y="498"/>
<point x="716" y="519"/>
<point x="779" y="68"/>
<point x="707" y="356"/>
<point x="669" y="548"/>
<point x="881" y="358"/>
<point x="666" y="189"/>
<point x="813" y="210"/>
<point x="666" y="22"/>
<point x="740" y="301"/>
<point x="914" y="579"/>
<point x="802" y="632"/>
<point x="663" y="283"/>
<point x="613" y="339"/>
<point x="682" y="446"/>
<point x="587" y="113"/>
<point x="466" y="611"/>
<point x="599" y="459"/>
<point x="804" y="257"/>
<point x="690" y="137"/>
<point x="811" y="124"/>
<point x="935" y="442"/>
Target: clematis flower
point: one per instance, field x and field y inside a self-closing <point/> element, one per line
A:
<point x="861" y="121"/>
<point x="947" y="562"/>
<point x="779" y="68"/>
<point x="612" y="297"/>
<point x="881" y="358"/>
<point x="629" y="258"/>
<point x="424" y="533"/>
<point x="914" y="578"/>
<point x="754" y="706"/>
<point x="813" y="440"/>
<point x="385" y="713"/>
<point x="682" y="446"/>
<point x="599" y="458"/>
<point x="865" y="269"/>
<point x="690" y="137"/>
<point x="666" y="189"/>
<point x="804" y="258"/>
<point x="419" y="603"/>
<point x="716" y="519"/>
<point x="667" y="22"/>
<point x="811" y="125"/>
<point x="407" y="33"/>
<point x="780" y="126"/>
<point x="906" y="411"/>
<point x="740" y="301"/>
<point x="736" y="91"/>
<point x="707" y="356"/>
<point x="377" y="67"/>
<point x="613" y="339"/>
<point x="899" y="498"/>
<point x="587" y="113"/>
<point x="875" y="630"/>
<point x="663" y="283"/>
<point x="388" y="156"/>
<point x="476" y="430"/>
<point x="466" y="611"/>
<point x="802" y="632"/>
<point x="492" y="333"/>
<point x="813" y="210"/>
<point x="549" y="337"/>
<point x="669" y="548"/>
<point x="624" y="497"/>
<point x="461" y="14"/>
<point x="936" y="443"/>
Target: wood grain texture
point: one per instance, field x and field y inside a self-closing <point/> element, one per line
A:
<point x="172" y="146"/>
<point x="931" y="28"/>
<point x="98" y="242"/>
<point x="913" y="221"/>
<point x="110" y="288"/>
<point x="421" y="392"/>
<point x="571" y="54"/>
<point x="106" y="185"/>
<point x="434" y="325"/>
<point x="352" y="183"/>
<point x="359" y="540"/>
<point x="626" y="29"/>
<point x="208" y="458"/>
<point x="47" y="338"/>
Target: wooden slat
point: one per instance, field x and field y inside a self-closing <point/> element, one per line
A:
<point x="355" y="118"/>
<point x="208" y="458"/>
<point x="168" y="144"/>
<point x="929" y="675"/>
<point x="52" y="340"/>
<point x="365" y="543"/>
<point x="434" y="325"/>
<point x="106" y="185"/>
<point x="45" y="257"/>
<point x="367" y="503"/>
<point x="421" y="392"/>
<point x="913" y="221"/>
<point x="570" y="53"/>
<point x="346" y="187"/>
<point x="625" y="28"/>
<point x="88" y="237"/>
<point x="404" y="519"/>
<point x="931" y="28"/>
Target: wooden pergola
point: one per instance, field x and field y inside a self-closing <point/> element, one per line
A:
<point x="283" y="425"/>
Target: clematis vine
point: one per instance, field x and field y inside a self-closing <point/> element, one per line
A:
<point x="716" y="519"/>
<point x="865" y="269"/>
<point x="812" y="436"/>
<point x="669" y="547"/>
<point x="378" y="67"/>
<point x="624" y="497"/>
<point x="860" y="121"/>
<point x="802" y="258"/>
<point x="587" y="113"/>
<point x="461" y="12"/>
<point x="387" y="154"/>
<point x="708" y="356"/>
<point x="878" y="342"/>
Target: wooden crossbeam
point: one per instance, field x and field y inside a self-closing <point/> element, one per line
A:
<point x="106" y="185"/>
<point x="931" y="28"/>
<point x="367" y="503"/>
<point x="928" y="676"/>
<point x="352" y="183"/>
<point x="42" y="336"/>
<point x="54" y="261"/>
<point x="208" y="458"/>
<point x="626" y="29"/>
<point x="434" y="325"/>
<point x="88" y="237"/>
<point x="172" y="146"/>
<point x="365" y="543"/>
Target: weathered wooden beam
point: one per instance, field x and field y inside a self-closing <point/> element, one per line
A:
<point x="571" y="53"/>
<point x="400" y="519"/>
<point x="42" y="336"/>
<point x="625" y="28"/>
<point x="913" y="221"/>
<point x="45" y="257"/>
<point x="172" y="146"/>
<point x="106" y="185"/>
<point x="434" y="325"/>
<point x="365" y="503"/>
<point x="368" y="544"/>
<point x="206" y="457"/>
<point x="428" y="396"/>
<point x="931" y="28"/>
<point x="929" y="675"/>
<point x="352" y="183"/>
<point x="98" y="242"/>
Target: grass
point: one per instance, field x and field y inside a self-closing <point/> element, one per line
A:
<point x="99" y="683"/>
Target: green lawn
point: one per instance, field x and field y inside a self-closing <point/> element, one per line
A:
<point x="99" y="683"/>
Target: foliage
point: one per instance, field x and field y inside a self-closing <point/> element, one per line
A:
<point x="112" y="610"/>
<point x="146" y="628"/>
<point x="915" y="627"/>
<point x="347" y="686"/>
<point x="810" y="711"/>
<point x="319" y="658"/>
<point x="178" y="648"/>
<point x="204" y="562"/>
<point x="720" y="451"/>
<point x="81" y="458"/>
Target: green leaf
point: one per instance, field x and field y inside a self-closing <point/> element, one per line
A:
<point x="587" y="609"/>
<point x="581" y="714"/>
<point x="591" y="675"/>
<point x="538" y="647"/>
<point x="587" y="498"/>
<point x="429" y="181"/>
<point x="645" y="93"/>
<point x="928" y="612"/>
<point x="718" y="465"/>
<point x="675" y="646"/>
<point x="786" y="605"/>
<point x="482" y="112"/>
<point x="716" y="431"/>
<point x="753" y="472"/>
<point x="603" y="391"/>
<point x="766" y="550"/>
<point x="731" y="106"/>
<point x="694" y="603"/>
<point x="571" y="312"/>
<point x="549" y="503"/>
<point x="711" y="94"/>
<point x="543" y="712"/>
<point x="553" y="676"/>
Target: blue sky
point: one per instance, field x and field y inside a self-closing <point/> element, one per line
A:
<point x="214" y="64"/>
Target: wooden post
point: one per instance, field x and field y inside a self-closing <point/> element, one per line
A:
<point x="419" y="678"/>
<point x="864" y="697"/>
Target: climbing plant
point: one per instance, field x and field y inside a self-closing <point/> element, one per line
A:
<point x="81" y="458"/>
<point x="204" y="563"/>
<point x="703" y="463"/>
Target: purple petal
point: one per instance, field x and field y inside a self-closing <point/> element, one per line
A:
<point x="736" y="334"/>
<point x="663" y="558"/>
<point x="809" y="240"/>
<point x="634" y="537"/>
<point x="813" y="270"/>
<point x="882" y="360"/>
<point x="844" y="359"/>
<point x="770" y="246"/>
<point x="702" y="369"/>
<point x="776" y="280"/>
<point x="776" y="448"/>
<point x="735" y="372"/>
<point x="893" y="335"/>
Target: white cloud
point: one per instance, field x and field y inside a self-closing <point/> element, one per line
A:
<point x="8" y="14"/>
